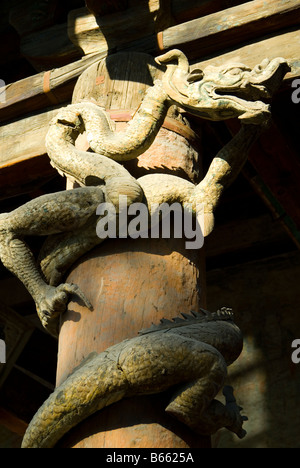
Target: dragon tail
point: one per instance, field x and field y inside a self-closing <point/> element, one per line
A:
<point x="84" y="392"/>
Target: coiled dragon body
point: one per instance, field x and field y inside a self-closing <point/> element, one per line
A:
<point x="189" y="354"/>
<point x="193" y="355"/>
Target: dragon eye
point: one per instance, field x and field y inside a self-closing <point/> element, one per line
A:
<point x="234" y="71"/>
<point x="195" y="75"/>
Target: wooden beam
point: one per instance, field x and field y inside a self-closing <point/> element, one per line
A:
<point x="93" y="34"/>
<point x="49" y="48"/>
<point x="191" y="9"/>
<point x="23" y="158"/>
<point x="24" y="163"/>
<point x="203" y="36"/>
<point x="182" y="11"/>
<point x="30" y="94"/>
<point x="12" y="422"/>
<point x="44" y="89"/>
<point x="283" y="44"/>
<point x="25" y="138"/>
<point x="25" y="176"/>
<point x="137" y="27"/>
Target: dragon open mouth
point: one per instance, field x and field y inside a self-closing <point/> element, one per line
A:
<point x="237" y="101"/>
<point x="252" y="85"/>
<point x="220" y="93"/>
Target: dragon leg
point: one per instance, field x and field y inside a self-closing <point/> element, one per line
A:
<point x="201" y="368"/>
<point x="48" y="214"/>
<point x="194" y="403"/>
<point x="194" y="397"/>
<point x="60" y="251"/>
<point x="217" y="416"/>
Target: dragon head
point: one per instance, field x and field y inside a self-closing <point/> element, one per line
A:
<point x="221" y="93"/>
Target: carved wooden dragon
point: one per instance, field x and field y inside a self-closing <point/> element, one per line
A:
<point x="68" y="218"/>
<point x="189" y="355"/>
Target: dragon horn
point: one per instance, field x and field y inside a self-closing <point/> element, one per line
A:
<point x="175" y="54"/>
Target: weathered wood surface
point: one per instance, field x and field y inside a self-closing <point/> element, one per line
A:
<point x="24" y="138"/>
<point x="49" y="48"/>
<point x="28" y="152"/>
<point x="139" y="268"/>
<point x="28" y="95"/>
<point x="199" y="37"/>
<point x="283" y="44"/>
<point x="20" y="21"/>
<point x="22" y="143"/>
<point x="93" y="34"/>
<point x="226" y="28"/>
<point x="190" y="9"/>
<point x="32" y="93"/>
<point x="182" y="11"/>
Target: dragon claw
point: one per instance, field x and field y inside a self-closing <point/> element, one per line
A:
<point x="234" y="411"/>
<point x="55" y="301"/>
<point x="74" y="289"/>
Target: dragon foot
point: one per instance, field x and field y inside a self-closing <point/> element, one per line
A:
<point x="54" y="303"/>
<point x="235" y="413"/>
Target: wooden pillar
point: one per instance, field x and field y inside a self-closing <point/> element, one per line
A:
<point x="133" y="283"/>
